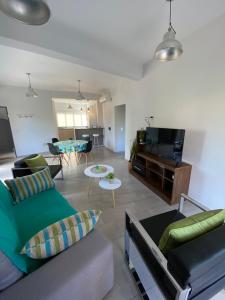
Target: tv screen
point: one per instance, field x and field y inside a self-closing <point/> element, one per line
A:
<point x="165" y="143"/>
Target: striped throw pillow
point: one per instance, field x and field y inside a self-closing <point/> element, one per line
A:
<point x="61" y="235"/>
<point x="26" y="186"/>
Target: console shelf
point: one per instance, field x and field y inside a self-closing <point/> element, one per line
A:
<point x="162" y="177"/>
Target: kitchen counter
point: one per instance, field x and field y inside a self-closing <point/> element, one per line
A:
<point x="76" y="133"/>
<point x="90" y="131"/>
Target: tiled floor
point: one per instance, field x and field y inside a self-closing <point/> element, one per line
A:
<point x="133" y="196"/>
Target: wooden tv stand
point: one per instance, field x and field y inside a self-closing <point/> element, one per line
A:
<point x="165" y="179"/>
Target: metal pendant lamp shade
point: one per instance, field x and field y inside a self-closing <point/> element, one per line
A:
<point x="170" y="48"/>
<point x="31" y="12"/>
<point x="31" y="93"/>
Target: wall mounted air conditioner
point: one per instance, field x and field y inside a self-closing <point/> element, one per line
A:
<point x="105" y="96"/>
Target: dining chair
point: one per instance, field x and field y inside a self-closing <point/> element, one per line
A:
<point x="85" y="152"/>
<point x="54" y="150"/>
<point x="54" y="140"/>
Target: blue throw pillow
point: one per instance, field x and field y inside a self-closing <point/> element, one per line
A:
<point x="59" y="236"/>
<point x="27" y="186"/>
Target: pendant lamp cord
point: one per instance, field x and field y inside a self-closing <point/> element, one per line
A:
<point x="170" y="21"/>
<point x="79" y="85"/>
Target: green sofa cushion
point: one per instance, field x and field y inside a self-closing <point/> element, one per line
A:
<point x="6" y="200"/>
<point x="20" y="222"/>
<point x="37" y="161"/>
<point x="9" y="237"/>
<point x="189" y="228"/>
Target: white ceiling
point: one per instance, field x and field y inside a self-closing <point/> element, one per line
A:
<point x="51" y="74"/>
<point x="114" y="36"/>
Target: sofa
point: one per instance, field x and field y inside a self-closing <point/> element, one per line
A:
<point x="21" y="168"/>
<point x="82" y="272"/>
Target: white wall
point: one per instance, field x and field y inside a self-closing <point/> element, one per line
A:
<point x="30" y="134"/>
<point x="99" y="110"/>
<point x="189" y="94"/>
<point x="108" y="124"/>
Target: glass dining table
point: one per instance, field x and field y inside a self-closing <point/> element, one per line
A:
<point x="71" y="146"/>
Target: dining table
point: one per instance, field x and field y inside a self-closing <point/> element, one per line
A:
<point x="71" y="146"/>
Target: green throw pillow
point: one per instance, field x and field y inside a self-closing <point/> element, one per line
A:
<point x="190" y="228"/>
<point x="61" y="235"/>
<point x="35" y="162"/>
<point x="27" y="186"/>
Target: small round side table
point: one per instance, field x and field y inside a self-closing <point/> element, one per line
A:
<point x="110" y="186"/>
<point x="89" y="172"/>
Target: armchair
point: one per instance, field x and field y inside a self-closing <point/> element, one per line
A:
<point x="21" y="169"/>
<point x="194" y="270"/>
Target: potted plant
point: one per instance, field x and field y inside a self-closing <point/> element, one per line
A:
<point x="110" y="177"/>
<point x="141" y="136"/>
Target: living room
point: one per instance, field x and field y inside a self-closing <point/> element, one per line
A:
<point x="126" y="90"/>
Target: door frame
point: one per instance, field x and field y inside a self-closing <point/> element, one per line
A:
<point x="125" y="117"/>
<point x="6" y="108"/>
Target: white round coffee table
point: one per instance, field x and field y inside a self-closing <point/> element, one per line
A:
<point x="92" y="173"/>
<point x="106" y="184"/>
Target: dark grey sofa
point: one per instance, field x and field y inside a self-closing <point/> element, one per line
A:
<point x="82" y="272"/>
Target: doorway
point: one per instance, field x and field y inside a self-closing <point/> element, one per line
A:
<point x="7" y="148"/>
<point x="120" y="120"/>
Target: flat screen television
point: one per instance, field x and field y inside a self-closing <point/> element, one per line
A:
<point x="165" y="143"/>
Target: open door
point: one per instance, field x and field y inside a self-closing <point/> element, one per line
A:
<point x="120" y="115"/>
<point x="7" y="148"/>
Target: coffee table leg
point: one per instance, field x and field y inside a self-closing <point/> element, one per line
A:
<point x="113" y="197"/>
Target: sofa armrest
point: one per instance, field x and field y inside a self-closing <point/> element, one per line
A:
<point x="19" y="172"/>
<point x="153" y="250"/>
<point x="21" y="162"/>
<point x="200" y="259"/>
<point x="184" y="197"/>
<point x="84" y="271"/>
